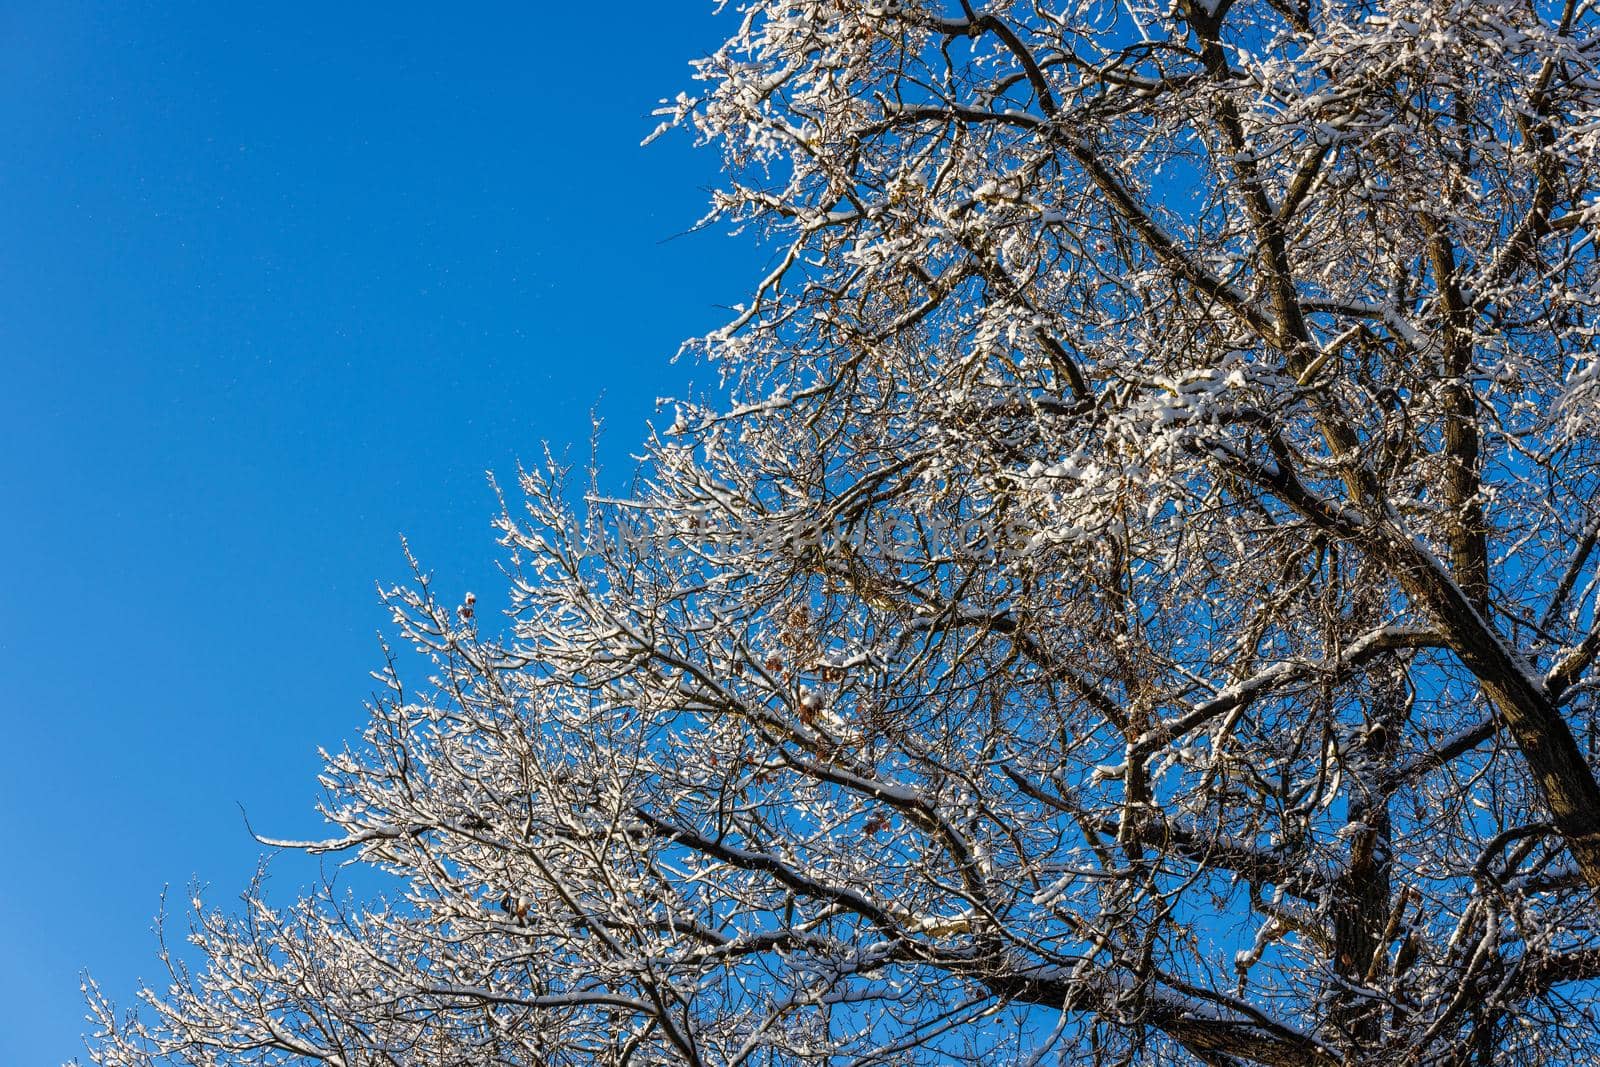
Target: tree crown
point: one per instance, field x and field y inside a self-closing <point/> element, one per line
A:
<point x="1132" y="598"/>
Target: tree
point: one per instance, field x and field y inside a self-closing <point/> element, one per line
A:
<point x="1132" y="600"/>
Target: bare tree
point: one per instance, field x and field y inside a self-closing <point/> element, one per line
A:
<point x="1133" y="599"/>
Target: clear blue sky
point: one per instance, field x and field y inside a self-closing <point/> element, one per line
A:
<point x="278" y="283"/>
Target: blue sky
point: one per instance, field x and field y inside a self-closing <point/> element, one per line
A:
<point x="278" y="283"/>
